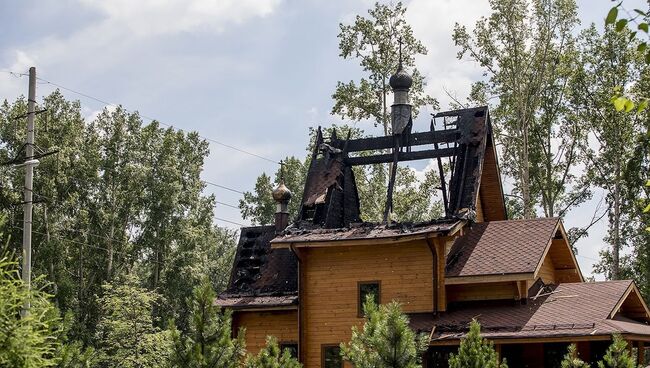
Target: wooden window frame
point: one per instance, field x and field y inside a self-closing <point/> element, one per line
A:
<point x="322" y="353"/>
<point x="360" y="302"/>
<point x="283" y="344"/>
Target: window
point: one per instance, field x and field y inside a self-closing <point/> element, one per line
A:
<point x="291" y="346"/>
<point x="365" y="289"/>
<point x="331" y="356"/>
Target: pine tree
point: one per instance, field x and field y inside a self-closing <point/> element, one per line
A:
<point x="386" y="339"/>
<point x="618" y="355"/>
<point x="271" y="357"/>
<point x="209" y="342"/>
<point x="475" y="351"/>
<point x="572" y="360"/>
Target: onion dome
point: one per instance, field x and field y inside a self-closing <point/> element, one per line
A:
<point x="401" y="79"/>
<point x="281" y="193"/>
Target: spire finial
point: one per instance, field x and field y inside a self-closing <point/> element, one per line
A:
<point x="400" y="51"/>
<point x="282" y="171"/>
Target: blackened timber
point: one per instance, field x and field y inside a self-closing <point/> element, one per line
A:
<point x="472" y="110"/>
<point x="406" y="140"/>
<point x="402" y="156"/>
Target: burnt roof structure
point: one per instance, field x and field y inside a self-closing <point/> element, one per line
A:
<point x="261" y="276"/>
<point x="330" y="198"/>
<point x="330" y="207"/>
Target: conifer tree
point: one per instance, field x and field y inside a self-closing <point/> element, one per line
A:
<point x="572" y="360"/>
<point x="386" y="339"/>
<point x="617" y="355"/>
<point x="209" y="342"/>
<point x="475" y="351"/>
<point x="271" y="357"/>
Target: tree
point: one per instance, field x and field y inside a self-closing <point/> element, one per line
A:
<point x="386" y="339"/>
<point x="607" y="61"/>
<point x="208" y="343"/>
<point x="617" y="355"/>
<point x="127" y="335"/>
<point x="272" y="357"/>
<point x="526" y="48"/>
<point x="571" y="359"/>
<point x="474" y="351"/>
<point x="376" y="41"/>
<point x="30" y="341"/>
<point x="99" y="215"/>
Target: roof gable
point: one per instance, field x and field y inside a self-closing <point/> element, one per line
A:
<point x="501" y="248"/>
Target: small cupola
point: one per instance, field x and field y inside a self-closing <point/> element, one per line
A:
<point x="281" y="196"/>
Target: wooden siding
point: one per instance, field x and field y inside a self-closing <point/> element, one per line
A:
<point x="547" y="271"/>
<point x="281" y="324"/>
<point x="330" y="288"/>
<point x="487" y="291"/>
<point x="490" y="193"/>
<point x="479" y="209"/>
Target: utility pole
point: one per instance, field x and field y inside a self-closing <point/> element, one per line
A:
<point x="30" y="162"/>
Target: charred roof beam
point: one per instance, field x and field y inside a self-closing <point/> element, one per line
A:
<point x="402" y="156"/>
<point x="387" y="142"/>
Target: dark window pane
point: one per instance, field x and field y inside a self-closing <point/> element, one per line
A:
<point x="293" y="349"/>
<point x="332" y="357"/>
<point x="368" y="289"/>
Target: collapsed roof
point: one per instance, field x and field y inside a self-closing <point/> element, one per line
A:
<point x="330" y="199"/>
<point x="261" y="276"/>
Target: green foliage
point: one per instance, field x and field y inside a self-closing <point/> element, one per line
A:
<point x="374" y="41"/>
<point x="102" y="215"/>
<point x="386" y="339"/>
<point x="607" y="61"/>
<point x="474" y="351"/>
<point x="127" y="335"/>
<point x="271" y="357"/>
<point x="26" y="342"/>
<point x="528" y="53"/>
<point x="571" y="359"/>
<point x="208" y="343"/>
<point x="617" y="355"/>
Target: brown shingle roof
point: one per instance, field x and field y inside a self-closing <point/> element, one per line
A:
<point x="501" y="247"/>
<point x="575" y="309"/>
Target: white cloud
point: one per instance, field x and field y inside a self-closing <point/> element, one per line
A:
<point x="157" y="17"/>
<point x="433" y="23"/>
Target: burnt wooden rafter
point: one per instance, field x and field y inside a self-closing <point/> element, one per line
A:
<point x="388" y="142"/>
<point x="402" y="156"/>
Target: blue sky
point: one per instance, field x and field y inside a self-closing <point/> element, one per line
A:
<point x="255" y="74"/>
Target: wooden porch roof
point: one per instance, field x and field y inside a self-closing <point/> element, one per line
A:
<point x="569" y="311"/>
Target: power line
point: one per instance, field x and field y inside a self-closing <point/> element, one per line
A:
<point x="227" y="205"/>
<point x="223" y="187"/>
<point x="230" y="222"/>
<point x="149" y="118"/>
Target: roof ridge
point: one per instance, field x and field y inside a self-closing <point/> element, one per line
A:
<point x="524" y="220"/>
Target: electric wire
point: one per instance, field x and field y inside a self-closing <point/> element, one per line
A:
<point x="45" y="81"/>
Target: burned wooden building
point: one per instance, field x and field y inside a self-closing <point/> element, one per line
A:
<point x="303" y="281"/>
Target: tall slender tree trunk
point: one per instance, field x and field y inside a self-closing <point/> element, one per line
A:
<point x="109" y="266"/>
<point x="616" y="267"/>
